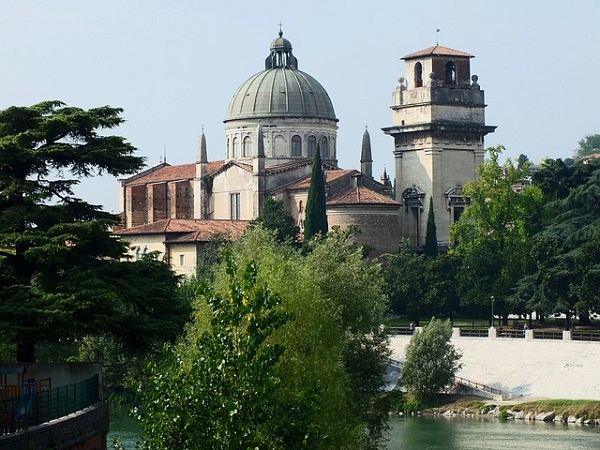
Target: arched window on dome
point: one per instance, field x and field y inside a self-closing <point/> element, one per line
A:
<point x="418" y="74"/>
<point x="228" y="149"/>
<point x="312" y="146"/>
<point x="296" y="145"/>
<point x="234" y="149"/>
<point x="247" y="146"/>
<point x="324" y="147"/>
<point x="450" y="73"/>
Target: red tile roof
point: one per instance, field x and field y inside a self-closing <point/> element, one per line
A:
<point x="361" y="196"/>
<point x="190" y="230"/>
<point x="330" y="175"/>
<point x="173" y="173"/>
<point x="437" y="50"/>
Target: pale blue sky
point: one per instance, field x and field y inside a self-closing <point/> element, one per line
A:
<point x="173" y="65"/>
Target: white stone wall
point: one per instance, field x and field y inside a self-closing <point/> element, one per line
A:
<point x="529" y="368"/>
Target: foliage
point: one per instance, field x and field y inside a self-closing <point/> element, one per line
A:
<point x="277" y="219"/>
<point x="327" y="395"/>
<point x="431" y="361"/>
<point x="46" y="235"/>
<point x="418" y="286"/>
<point x="589" y="145"/>
<point x="404" y="274"/>
<point x="224" y="399"/>
<point x="431" y="245"/>
<point x="316" y="210"/>
<point x="493" y="235"/>
<point x="60" y="271"/>
<point x="566" y="252"/>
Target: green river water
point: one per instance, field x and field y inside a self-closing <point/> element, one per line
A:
<point x="439" y="433"/>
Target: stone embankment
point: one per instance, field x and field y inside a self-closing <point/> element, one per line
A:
<point x="523" y="368"/>
<point x="513" y="413"/>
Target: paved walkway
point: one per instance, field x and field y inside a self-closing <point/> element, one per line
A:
<point x="527" y="368"/>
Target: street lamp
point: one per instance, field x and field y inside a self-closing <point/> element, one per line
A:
<point x="492" y="299"/>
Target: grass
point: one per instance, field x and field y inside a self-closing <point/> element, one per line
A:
<point x="589" y="409"/>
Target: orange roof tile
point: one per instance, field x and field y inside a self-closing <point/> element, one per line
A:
<point x="330" y="175"/>
<point x="190" y="229"/>
<point x="173" y="173"/>
<point x="437" y="50"/>
<point x="361" y="196"/>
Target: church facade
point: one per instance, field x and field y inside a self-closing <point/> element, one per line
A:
<point x="276" y="120"/>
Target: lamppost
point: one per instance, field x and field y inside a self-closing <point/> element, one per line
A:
<point x="492" y="299"/>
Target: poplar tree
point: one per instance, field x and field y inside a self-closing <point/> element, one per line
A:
<point x="431" y="247"/>
<point x="316" y="210"/>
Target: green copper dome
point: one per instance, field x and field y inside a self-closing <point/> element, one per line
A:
<point x="281" y="90"/>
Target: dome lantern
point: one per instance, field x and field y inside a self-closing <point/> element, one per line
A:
<point x="281" y="54"/>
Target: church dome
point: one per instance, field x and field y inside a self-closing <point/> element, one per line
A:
<point x="281" y="90"/>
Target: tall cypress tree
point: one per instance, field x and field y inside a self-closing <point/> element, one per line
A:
<point x="431" y="247"/>
<point x="316" y="210"/>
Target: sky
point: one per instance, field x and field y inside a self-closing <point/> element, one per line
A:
<point x="174" y="65"/>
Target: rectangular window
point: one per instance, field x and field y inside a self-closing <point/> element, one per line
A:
<point x="182" y="260"/>
<point x="235" y="206"/>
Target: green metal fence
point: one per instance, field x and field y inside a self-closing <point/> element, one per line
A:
<point x="36" y="405"/>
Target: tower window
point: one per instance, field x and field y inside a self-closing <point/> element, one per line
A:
<point x="418" y="74"/>
<point x="296" y="145"/>
<point x="247" y="146"/>
<point x="182" y="260"/>
<point x="450" y="73"/>
<point x="312" y="146"/>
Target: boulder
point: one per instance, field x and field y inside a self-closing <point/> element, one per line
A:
<point x="545" y="416"/>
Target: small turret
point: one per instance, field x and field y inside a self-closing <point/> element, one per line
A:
<point x="366" y="159"/>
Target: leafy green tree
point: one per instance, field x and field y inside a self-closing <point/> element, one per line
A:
<point x="277" y="219"/>
<point x="431" y="245"/>
<point x="566" y="250"/>
<point x="328" y="397"/>
<point x="431" y="361"/>
<point x="224" y="399"/>
<point x="494" y="233"/>
<point x="316" y="209"/>
<point x="60" y="274"/>
<point x="589" y="145"/>
<point x="404" y="274"/>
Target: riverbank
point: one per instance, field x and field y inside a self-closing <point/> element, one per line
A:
<point x="585" y="412"/>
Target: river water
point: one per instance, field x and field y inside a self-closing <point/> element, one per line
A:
<point x="440" y="433"/>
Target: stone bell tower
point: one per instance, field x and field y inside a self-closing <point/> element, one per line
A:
<point x="438" y="129"/>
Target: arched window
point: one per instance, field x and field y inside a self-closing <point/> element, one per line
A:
<point x="418" y="74"/>
<point x="312" y="146"/>
<point x="234" y="150"/>
<point x="228" y="149"/>
<point x="450" y="73"/>
<point x="247" y="146"/>
<point x="324" y="147"/>
<point x="296" y="145"/>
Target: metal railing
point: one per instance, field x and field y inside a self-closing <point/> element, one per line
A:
<point x="36" y="405"/>
<point x="474" y="332"/>
<point x="400" y="331"/>
<point x="478" y="386"/>
<point x="585" y="336"/>
<point x="510" y="333"/>
<point x="538" y="334"/>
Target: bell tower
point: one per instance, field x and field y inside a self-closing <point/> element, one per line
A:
<point x="438" y="129"/>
